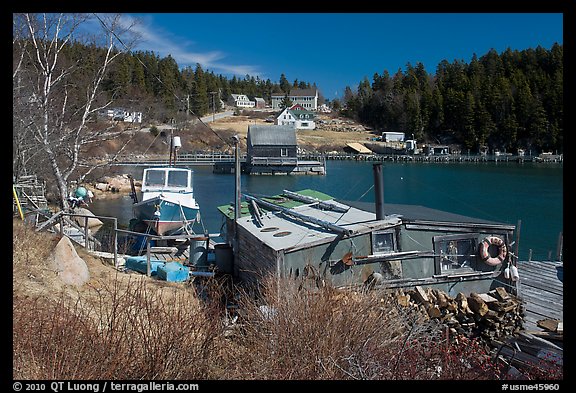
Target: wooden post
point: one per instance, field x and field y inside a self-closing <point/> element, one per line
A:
<point x="517" y="246"/>
<point x="86" y="244"/>
<point x="559" y="248"/>
<point x="148" y="267"/>
<point x="529" y="255"/>
<point x="115" y="244"/>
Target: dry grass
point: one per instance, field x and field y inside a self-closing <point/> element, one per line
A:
<point x="122" y="326"/>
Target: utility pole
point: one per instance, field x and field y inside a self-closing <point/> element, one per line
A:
<point x="213" y="105"/>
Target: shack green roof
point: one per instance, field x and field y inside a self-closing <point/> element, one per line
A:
<point x="408" y="212"/>
<point x="280" y="200"/>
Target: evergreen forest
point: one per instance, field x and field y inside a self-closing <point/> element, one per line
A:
<point x="503" y="101"/>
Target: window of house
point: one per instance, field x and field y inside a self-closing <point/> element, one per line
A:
<point x="455" y="252"/>
<point x="283" y="152"/>
<point x="383" y="242"/>
<point x="304" y="124"/>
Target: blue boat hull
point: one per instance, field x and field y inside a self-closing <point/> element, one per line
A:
<point x="168" y="218"/>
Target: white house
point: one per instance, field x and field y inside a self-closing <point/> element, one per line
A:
<point x="297" y="117"/>
<point x="241" y="101"/>
<point x="307" y="98"/>
<point x="120" y="114"/>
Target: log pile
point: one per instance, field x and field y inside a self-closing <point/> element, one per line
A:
<point x="490" y="315"/>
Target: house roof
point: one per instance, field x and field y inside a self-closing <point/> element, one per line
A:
<point x="282" y="233"/>
<point x="421" y="213"/>
<point x="303" y="92"/>
<point x="271" y="135"/>
<point x="259" y="99"/>
<point x="298" y="93"/>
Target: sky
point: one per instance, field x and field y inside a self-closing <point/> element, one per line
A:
<point x="335" y="50"/>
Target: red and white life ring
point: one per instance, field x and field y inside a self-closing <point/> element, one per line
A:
<point x="484" y="250"/>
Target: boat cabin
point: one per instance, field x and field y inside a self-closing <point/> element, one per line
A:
<point x="167" y="179"/>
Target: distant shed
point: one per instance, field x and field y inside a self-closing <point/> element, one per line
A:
<point x="389" y="136"/>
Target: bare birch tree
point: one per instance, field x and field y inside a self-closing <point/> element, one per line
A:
<point x="56" y="93"/>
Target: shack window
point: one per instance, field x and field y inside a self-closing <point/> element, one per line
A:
<point x="455" y="252"/>
<point x="283" y="152"/>
<point x="383" y="242"/>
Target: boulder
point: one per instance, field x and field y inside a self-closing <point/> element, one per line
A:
<point x="69" y="267"/>
<point x="92" y="220"/>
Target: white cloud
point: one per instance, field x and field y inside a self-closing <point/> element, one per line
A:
<point x="165" y="43"/>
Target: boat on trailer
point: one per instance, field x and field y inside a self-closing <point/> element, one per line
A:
<point x="168" y="205"/>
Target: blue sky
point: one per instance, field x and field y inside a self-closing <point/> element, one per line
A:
<point x="336" y="50"/>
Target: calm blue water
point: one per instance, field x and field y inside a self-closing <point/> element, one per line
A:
<point x="504" y="192"/>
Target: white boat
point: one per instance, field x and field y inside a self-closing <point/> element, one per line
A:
<point x="168" y="205"/>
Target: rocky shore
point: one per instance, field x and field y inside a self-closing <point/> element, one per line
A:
<point x="112" y="186"/>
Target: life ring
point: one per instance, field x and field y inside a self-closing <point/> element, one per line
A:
<point x="484" y="250"/>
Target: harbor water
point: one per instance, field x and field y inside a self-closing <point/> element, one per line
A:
<point x="507" y="192"/>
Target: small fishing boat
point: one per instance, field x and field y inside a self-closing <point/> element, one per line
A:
<point x="168" y="205"/>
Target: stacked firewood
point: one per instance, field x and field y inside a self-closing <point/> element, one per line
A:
<point x="490" y="315"/>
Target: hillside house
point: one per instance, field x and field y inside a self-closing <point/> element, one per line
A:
<point x="297" y="117"/>
<point x="120" y="114"/>
<point x="260" y="103"/>
<point x="241" y="101"/>
<point x="307" y="98"/>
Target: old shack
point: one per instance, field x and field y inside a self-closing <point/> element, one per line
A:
<point x="311" y="237"/>
<point x="273" y="149"/>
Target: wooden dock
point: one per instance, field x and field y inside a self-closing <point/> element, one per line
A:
<point x="541" y="287"/>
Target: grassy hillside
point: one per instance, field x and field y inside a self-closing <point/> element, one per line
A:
<point x="128" y="326"/>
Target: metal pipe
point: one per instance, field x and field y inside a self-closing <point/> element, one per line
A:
<point x="303" y="217"/>
<point x="379" y="191"/>
<point x="320" y="204"/>
<point x="238" y="195"/>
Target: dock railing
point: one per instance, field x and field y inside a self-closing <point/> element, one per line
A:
<point x="79" y="233"/>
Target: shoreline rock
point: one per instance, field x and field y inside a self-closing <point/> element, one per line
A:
<point x="113" y="186"/>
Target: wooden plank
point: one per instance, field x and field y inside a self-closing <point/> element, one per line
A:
<point x="541" y="288"/>
<point x="543" y="312"/>
<point x="551" y="283"/>
<point x="551" y="271"/>
<point x="551" y="303"/>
